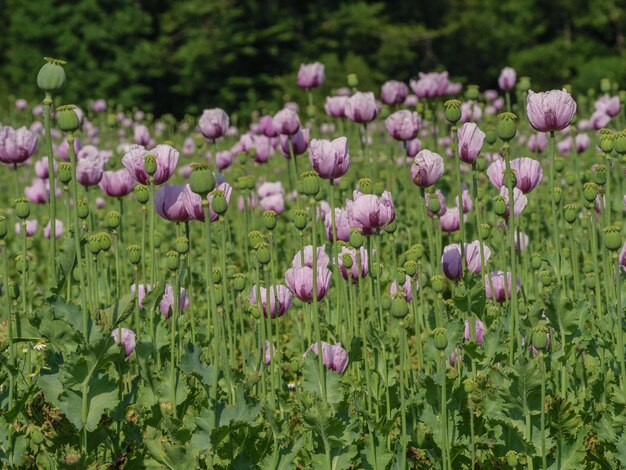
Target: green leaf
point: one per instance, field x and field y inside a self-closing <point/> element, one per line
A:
<point x="190" y="363"/>
<point x="121" y="309"/>
<point x="312" y="380"/>
<point x="572" y="454"/>
<point x="377" y="457"/>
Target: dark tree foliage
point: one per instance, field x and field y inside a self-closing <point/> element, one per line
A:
<point x="180" y="56"/>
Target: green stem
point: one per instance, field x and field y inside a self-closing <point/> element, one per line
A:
<point x="316" y="313"/>
<point x="47" y="103"/>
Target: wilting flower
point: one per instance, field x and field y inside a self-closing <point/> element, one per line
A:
<point x="358" y="270"/>
<point x="498" y="282"/>
<point x="466" y="200"/>
<point x="310" y="75"/>
<point x="280" y="299"/>
<point x="117" y="183"/>
<point x="300" y="282"/>
<point x="393" y="92"/>
<point x="369" y="212"/>
<point x="213" y="123"/>
<point x="128" y="340"/>
<point x="330" y="159"/>
<point x="58" y="229"/>
<point x="479" y="329"/>
<point x="427" y="168"/>
<point x="335" y="106"/>
<point x="39" y="191"/>
<point x="507" y="78"/>
<point x="403" y="125"/>
<point x="166" y="160"/>
<point x="550" y="111"/>
<point x="166" y="305"/>
<point x="334" y="356"/>
<point x="407" y="288"/>
<point x="286" y="122"/>
<point x="521" y="240"/>
<point x="470" y="142"/>
<point x="361" y="107"/>
<point x="16" y="146"/>
<point x="141" y="293"/>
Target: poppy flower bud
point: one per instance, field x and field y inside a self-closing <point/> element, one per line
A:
<point x="438" y="283"/>
<point x="353" y="80"/>
<point x="506" y="128"/>
<point x="239" y="282"/>
<point x="499" y="205"/>
<point x="134" y="253"/>
<point x="65" y="172"/>
<point x="201" y="179"/>
<point x="434" y="205"/>
<point x="356" y="238"/>
<point x="255" y="237"/>
<point x="399" y="308"/>
<point x="599" y="174"/>
<point x="410" y="267"/>
<point x="557" y="195"/>
<point x="112" y="220"/>
<point x="104" y="239"/>
<point x="219" y="203"/>
<point x="263" y="252"/>
<point x="606" y="143"/>
<point x="171" y="259"/>
<point x="365" y="185"/>
<point x="570" y="213"/>
<point x="51" y="77"/>
<point x="511" y="458"/>
<point x="150" y="164"/>
<point x="612" y="238"/>
<point x="93" y="244"/>
<point x="472" y="92"/>
<point x="83" y="208"/>
<point x="590" y="191"/>
<point x="269" y="219"/>
<point x="485" y="231"/>
<point x="68" y="119"/>
<point x="540" y="338"/>
<point x="310" y="183"/>
<point x="22" y="207"/>
<point x="546" y="277"/>
<point x="3" y="227"/>
<point x="376" y="270"/>
<point x="22" y="263"/>
<point x="142" y="193"/>
<point x="181" y="244"/>
<point x="452" y="111"/>
<point x="347" y="261"/>
<point x="440" y="337"/>
<point x="510" y="178"/>
<point x="299" y="218"/>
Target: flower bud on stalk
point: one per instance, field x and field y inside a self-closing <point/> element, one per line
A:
<point x="299" y="218"/>
<point x="269" y="219"/>
<point x="216" y="276"/>
<point x="68" y="119"/>
<point x="83" y="208"/>
<point x="438" y="283"/>
<point x="506" y="128"/>
<point x="142" y="193"/>
<point x="150" y="164"/>
<point x="440" y="338"/>
<point x="22" y="208"/>
<point x="134" y="254"/>
<point x="452" y="111"/>
<point x="112" y="220"/>
<point x="356" y="238"/>
<point x="239" y="282"/>
<point x="4" y="228"/>
<point x="51" y="77"/>
<point x="171" y="259"/>
<point x="571" y="213"/>
<point x="201" y="180"/>
<point x="65" y="172"/>
<point x="263" y="253"/>
<point x="255" y="237"/>
<point x="399" y="308"/>
<point x="181" y="244"/>
<point x="590" y="191"/>
<point x="612" y="238"/>
<point x="93" y="244"/>
<point x="218" y="202"/>
<point x="104" y="239"/>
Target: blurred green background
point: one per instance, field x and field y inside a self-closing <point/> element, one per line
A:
<point x="179" y="57"/>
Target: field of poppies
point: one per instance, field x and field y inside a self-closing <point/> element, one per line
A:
<point x="427" y="275"/>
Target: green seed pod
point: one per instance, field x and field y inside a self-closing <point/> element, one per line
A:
<point x="344" y="184"/>
<point x="83" y="208"/>
<point x="599" y="174"/>
<point x="353" y="80"/>
<point x="559" y="164"/>
<point x="310" y="183"/>
<point x="511" y="458"/>
<point x="540" y="339"/>
<point x="201" y="179"/>
<point x="557" y="195"/>
<point x="438" y="283"/>
<point x="269" y="219"/>
<point x="399" y="308"/>
<point x="239" y="282"/>
<point x="93" y="244"/>
<point x="134" y="254"/>
<point x="590" y="280"/>
<point x="570" y="178"/>
<point x="452" y="111"/>
<point x="51" y="77"/>
<point x="523" y="84"/>
<point x="376" y="270"/>
<point x="419" y="249"/>
<point x="606" y="143"/>
<point x="36" y="436"/>
<point x="506" y="128"/>
<point x="65" y="172"/>
<point x="546" y="278"/>
<point x="619" y="143"/>
<point x="485" y="231"/>
<point x="347" y="261"/>
<point x="255" y="237"/>
<point x="105" y="241"/>
<point x="218" y="202"/>
<point x="590" y="191"/>
<point x="216" y="276"/>
<point x="391" y="227"/>
<point x="522" y="308"/>
<point x="440" y="338"/>
<point x="490" y="135"/>
<point x="492" y="310"/>
<point x="612" y="238"/>
<point x="254" y="311"/>
<point x="605" y="85"/>
<point x="472" y="92"/>
<point x="356" y="238"/>
<point x="310" y="111"/>
<point x="410" y="267"/>
<point x="250" y="182"/>
<point x="150" y="164"/>
<point x="22" y="263"/>
<point x="181" y="245"/>
<point x="469" y="385"/>
<point x="510" y="178"/>
<point x="385" y="301"/>
<point x="499" y="205"/>
<point x="3" y="227"/>
<point x="365" y="185"/>
<point x="157" y="240"/>
<point x="14" y="290"/>
<point x="112" y="220"/>
<point x="263" y="252"/>
<point x="571" y="213"/>
<point x="67" y="118"/>
<point x="299" y="218"/>
<point x="219" y="295"/>
<point x="142" y="193"/>
<point x="171" y="259"/>
<point x="22" y="207"/>
<point x="434" y="205"/>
